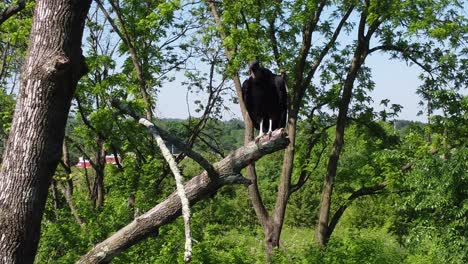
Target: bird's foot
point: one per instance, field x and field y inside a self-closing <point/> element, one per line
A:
<point x="269" y="133"/>
<point x="257" y="139"/>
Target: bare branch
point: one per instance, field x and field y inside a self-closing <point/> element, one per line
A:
<point x="197" y="188"/>
<point x="12" y="10"/>
<point x="358" y="193"/>
<point x="179" y="183"/>
<point x="205" y="164"/>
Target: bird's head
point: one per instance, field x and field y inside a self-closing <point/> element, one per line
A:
<point x="254" y="69"/>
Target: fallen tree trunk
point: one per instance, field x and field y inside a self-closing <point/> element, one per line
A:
<point x="199" y="187"/>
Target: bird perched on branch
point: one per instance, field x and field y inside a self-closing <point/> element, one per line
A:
<point x="265" y="98"/>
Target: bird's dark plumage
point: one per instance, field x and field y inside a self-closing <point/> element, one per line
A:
<point x="264" y="95"/>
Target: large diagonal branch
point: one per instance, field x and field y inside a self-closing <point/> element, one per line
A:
<point x="197" y="188"/>
<point x="12" y="10"/>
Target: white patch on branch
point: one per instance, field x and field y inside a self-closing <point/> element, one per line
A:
<point x="179" y="184"/>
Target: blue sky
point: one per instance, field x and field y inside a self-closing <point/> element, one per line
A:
<point x="395" y="80"/>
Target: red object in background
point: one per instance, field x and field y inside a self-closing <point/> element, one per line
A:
<point x="84" y="163"/>
<point x="110" y="159"/>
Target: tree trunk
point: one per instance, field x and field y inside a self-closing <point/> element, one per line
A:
<point x="55" y="198"/>
<point x="323" y="229"/>
<point x="67" y="166"/>
<point x="301" y="78"/>
<point x="99" y="182"/>
<point x="52" y="68"/>
<point x="273" y="237"/>
<point x="98" y="191"/>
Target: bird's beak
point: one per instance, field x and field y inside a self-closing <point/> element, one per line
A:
<point x="252" y="74"/>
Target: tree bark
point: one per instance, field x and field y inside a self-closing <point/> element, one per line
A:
<point x="323" y="228"/>
<point x="99" y="169"/>
<point x="323" y="233"/>
<point x="199" y="187"/>
<point x="53" y="66"/>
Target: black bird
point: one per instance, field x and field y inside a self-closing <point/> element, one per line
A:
<point x="264" y="95"/>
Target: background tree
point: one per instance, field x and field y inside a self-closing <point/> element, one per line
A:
<point x="383" y="208"/>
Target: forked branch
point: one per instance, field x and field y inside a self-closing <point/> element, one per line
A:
<point x="198" y="188"/>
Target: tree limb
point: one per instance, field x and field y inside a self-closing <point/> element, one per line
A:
<point x="12" y="10"/>
<point x="254" y="193"/>
<point x="205" y="164"/>
<point x="198" y="188"/>
<point x="406" y="54"/>
<point x="359" y="193"/>
<point x="327" y="47"/>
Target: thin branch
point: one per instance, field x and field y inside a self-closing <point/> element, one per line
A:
<point x="216" y="148"/>
<point x="304" y="51"/>
<point x="304" y="176"/>
<point x="274" y="41"/>
<point x="12" y="10"/>
<point x="406" y="54"/>
<point x="4" y="59"/>
<point x="358" y="193"/>
<point x="83" y="152"/>
<point x="69" y="199"/>
<point x="329" y="45"/>
<point x="179" y="184"/>
<point x="125" y="36"/>
<point x="205" y="164"/>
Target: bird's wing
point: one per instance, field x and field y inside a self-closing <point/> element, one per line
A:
<point x="281" y="90"/>
<point x="248" y="101"/>
<point x="280" y="86"/>
<point x="245" y="88"/>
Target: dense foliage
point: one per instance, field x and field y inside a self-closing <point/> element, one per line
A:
<point x="400" y="192"/>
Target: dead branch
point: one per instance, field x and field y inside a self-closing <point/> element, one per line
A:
<point x="179" y="184"/>
<point x="198" y="188"/>
<point x="205" y="164"/>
